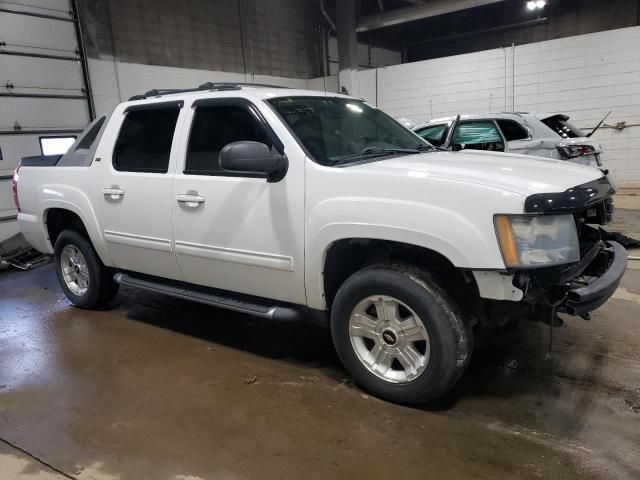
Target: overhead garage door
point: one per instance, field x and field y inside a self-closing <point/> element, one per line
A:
<point x="43" y="86"/>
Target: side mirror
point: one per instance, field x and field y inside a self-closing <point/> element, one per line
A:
<point x="253" y="158"/>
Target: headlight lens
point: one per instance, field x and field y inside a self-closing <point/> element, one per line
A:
<point x="537" y="240"/>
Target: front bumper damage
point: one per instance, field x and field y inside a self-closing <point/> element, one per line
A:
<point x="579" y="288"/>
<point x="601" y="282"/>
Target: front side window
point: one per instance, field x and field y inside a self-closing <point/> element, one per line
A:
<point x="339" y="130"/>
<point x="144" y="141"/>
<point x="212" y="129"/>
<point x="434" y="134"/>
<point x="477" y="136"/>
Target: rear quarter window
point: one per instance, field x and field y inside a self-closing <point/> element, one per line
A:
<point x="561" y="125"/>
<point x="512" y="130"/>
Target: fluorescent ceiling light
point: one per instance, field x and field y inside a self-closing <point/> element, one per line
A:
<point x="536" y="4"/>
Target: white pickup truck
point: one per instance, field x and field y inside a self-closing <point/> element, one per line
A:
<point x="293" y="204"/>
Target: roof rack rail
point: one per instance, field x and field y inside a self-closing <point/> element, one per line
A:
<point x="240" y="84"/>
<point x="159" y="92"/>
<point x="210" y="86"/>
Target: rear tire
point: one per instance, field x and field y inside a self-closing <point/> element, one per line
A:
<point x="84" y="279"/>
<point x="400" y="336"/>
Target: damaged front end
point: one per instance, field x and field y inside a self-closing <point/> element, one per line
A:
<point x="579" y="287"/>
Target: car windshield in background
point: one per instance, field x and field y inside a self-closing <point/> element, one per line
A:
<point x="434" y="134"/>
<point x="560" y="124"/>
<point x="339" y="130"/>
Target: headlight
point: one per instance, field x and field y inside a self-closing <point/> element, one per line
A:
<point x="537" y="240"/>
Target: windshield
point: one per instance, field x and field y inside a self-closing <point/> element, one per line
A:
<point x="560" y="124"/>
<point x="339" y="130"/>
<point x="434" y="134"/>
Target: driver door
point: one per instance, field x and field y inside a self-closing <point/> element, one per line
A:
<point x="236" y="231"/>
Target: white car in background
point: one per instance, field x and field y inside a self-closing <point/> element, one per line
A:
<point x="540" y="134"/>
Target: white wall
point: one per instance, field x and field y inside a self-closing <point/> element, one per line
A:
<point x="583" y="76"/>
<point x="115" y="82"/>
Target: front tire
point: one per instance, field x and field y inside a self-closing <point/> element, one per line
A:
<point x="399" y="335"/>
<point x="85" y="281"/>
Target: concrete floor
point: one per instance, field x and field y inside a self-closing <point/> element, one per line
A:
<point x="163" y="389"/>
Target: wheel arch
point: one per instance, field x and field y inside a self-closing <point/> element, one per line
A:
<point x="345" y="256"/>
<point x="59" y="217"/>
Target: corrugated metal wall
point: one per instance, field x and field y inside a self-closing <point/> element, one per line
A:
<point x="43" y="93"/>
<point x="276" y="37"/>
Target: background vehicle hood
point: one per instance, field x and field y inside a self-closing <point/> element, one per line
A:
<point x="521" y="174"/>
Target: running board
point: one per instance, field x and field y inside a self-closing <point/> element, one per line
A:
<point x="218" y="298"/>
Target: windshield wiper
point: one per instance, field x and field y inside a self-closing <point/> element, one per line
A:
<point x="424" y="147"/>
<point x="372" y="152"/>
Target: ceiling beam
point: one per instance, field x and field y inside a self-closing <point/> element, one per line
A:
<point x="432" y="8"/>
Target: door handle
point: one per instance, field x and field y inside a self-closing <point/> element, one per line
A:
<point x="190" y="199"/>
<point x="114" y="192"/>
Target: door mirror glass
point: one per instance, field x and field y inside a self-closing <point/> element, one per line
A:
<point x="253" y="158"/>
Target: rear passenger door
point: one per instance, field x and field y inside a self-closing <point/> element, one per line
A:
<point x="138" y="161"/>
<point x="234" y="231"/>
<point x="517" y="137"/>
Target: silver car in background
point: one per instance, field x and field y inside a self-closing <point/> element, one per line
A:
<point x="540" y="134"/>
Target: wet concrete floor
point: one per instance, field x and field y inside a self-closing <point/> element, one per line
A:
<point x="157" y="388"/>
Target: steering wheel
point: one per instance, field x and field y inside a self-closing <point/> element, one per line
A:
<point x="352" y="144"/>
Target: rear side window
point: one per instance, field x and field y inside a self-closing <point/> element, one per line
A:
<point x="213" y="128"/>
<point x="435" y="135"/>
<point x="144" y="141"/>
<point x="513" y="130"/>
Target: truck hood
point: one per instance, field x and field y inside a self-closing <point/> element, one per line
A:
<point x="522" y="174"/>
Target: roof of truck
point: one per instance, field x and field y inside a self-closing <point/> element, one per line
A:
<point x="212" y="90"/>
